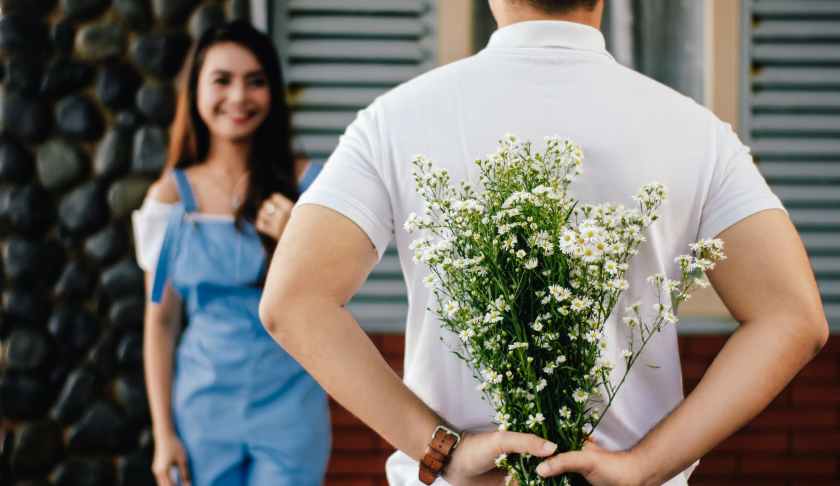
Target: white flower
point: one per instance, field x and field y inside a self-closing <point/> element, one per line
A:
<point x="579" y="304"/>
<point x="559" y="293"/>
<point x="517" y="345"/>
<point x="501" y="460"/>
<point x="627" y="354"/>
<point x="430" y="280"/>
<point x="580" y="396"/>
<point x="452" y="308"/>
<point x="531" y="263"/>
<point x="534" y="420"/>
<point x="587" y="429"/>
<point x="537" y="326"/>
<point x="541" y="385"/>
<point x="565" y="413"/>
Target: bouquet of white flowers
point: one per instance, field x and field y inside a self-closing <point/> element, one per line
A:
<point x="526" y="276"/>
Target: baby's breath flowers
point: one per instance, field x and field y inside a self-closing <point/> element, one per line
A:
<point x="526" y="276"/>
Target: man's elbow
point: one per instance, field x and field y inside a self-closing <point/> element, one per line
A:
<point x="273" y="319"/>
<point x="822" y="332"/>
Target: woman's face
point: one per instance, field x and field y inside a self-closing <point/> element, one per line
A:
<point x="233" y="94"/>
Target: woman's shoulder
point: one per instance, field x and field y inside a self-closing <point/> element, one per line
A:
<point x="164" y="190"/>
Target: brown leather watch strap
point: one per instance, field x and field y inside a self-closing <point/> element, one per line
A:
<point x="437" y="454"/>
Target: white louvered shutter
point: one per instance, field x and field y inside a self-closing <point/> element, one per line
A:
<point x="791" y="118"/>
<point x="338" y="56"/>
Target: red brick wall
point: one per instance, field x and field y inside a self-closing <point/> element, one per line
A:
<point x="795" y="442"/>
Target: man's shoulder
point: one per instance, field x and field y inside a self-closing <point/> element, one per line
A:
<point x="427" y="83"/>
<point x="647" y="90"/>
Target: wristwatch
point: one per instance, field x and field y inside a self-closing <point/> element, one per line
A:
<point x="438" y="452"/>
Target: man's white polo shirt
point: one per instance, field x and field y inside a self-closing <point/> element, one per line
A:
<point x="536" y="79"/>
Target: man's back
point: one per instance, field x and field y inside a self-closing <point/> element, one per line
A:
<point x="537" y="79"/>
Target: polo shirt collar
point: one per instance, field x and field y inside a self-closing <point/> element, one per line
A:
<point x="549" y="33"/>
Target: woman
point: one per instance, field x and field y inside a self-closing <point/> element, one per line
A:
<point x="236" y="409"/>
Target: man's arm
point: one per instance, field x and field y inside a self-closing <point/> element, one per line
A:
<point x="768" y="286"/>
<point x="321" y="261"/>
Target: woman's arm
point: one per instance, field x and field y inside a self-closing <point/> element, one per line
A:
<point x="162" y="323"/>
<point x="161" y="326"/>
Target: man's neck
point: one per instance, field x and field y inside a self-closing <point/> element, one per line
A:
<point x="520" y="13"/>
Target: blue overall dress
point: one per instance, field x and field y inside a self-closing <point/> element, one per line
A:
<point x="246" y="412"/>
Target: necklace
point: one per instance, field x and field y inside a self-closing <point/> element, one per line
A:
<point x="235" y="198"/>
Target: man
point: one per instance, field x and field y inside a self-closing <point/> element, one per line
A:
<point x="545" y="72"/>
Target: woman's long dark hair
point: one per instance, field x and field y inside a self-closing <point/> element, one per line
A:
<point x="271" y="163"/>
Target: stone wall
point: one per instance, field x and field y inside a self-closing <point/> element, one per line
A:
<point x="86" y="97"/>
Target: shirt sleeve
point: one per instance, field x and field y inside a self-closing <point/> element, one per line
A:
<point x="737" y="189"/>
<point x="149" y="226"/>
<point x="351" y="181"/>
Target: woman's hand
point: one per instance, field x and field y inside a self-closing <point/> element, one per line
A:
<point x="169" y="452"/>
<point x="273" y="215"/>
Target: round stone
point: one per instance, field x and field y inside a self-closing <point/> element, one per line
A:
<point x="128" y="120"/>
<point x="116" y="85"/>
<point x="33" y="482"/>
<point x="161" y="54"/>
<point x="240" y="9"/>
<point x="27" y="350"/>
<point x="60" y="164"/>
<point x="123" y="279"/>
<point x="107" y="245"/>
<point x="135" y="469"/>
<point x="127" y="313"/>
<point x="79" y="390"/>
<point x="78" y="471"/>
<point x="102" y="428"/>
<point x="23" y="116"/>
<point x="63" y="36"/>
<point x="130" y="351"/>
<point x="28" y="210"/>
<point x="134" y="13"/>
<point x="102" y="357"/>
<point x="126" y="195"/>
<point x="30" y="261"/>
<point x="24" y="305"/>
<point x="37" y="447"/>
<point x="15" y="161"/>
<point x="65" y="76"/>
<point x="34" y="8"/>
<point x="22" y="397"/>
<point x="130" y="393"/>
<point x="75" y="282"/>
<point x="21" y="34"/>
<point x="113" y="154"/>
<point x="84" y="210"/>
<point x="156" y="101"/>
<point x="83" y="9"/>
<point x="206" y="17"/>
<point x="98" y="42"/>
<point x="78" y="117"/>
<point x="73" y="328"/>
<point x="150" y="145"/>
<point x="23" y="74"/>
<point x="173" y="11"/>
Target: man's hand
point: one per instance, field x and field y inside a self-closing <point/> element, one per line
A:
<point x="474" y="461"/>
